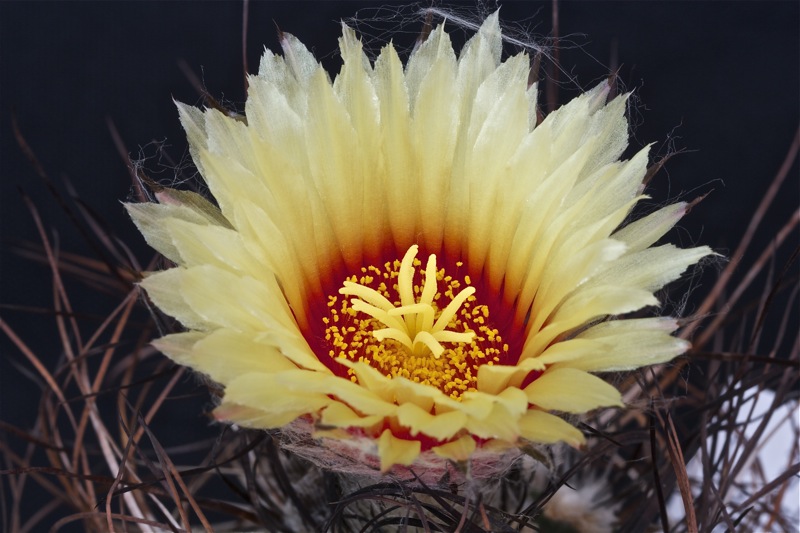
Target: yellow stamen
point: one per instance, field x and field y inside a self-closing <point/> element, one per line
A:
<point x="416" y="331"/>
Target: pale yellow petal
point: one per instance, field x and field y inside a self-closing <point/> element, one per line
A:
<point x="642" y="233"/>
<point x="458" y="450"/>
<point x="652" y="268"/>
<point x="499" y="424"/>
<point x="434" y="131"/>
<point x="225" y="355"/>
<point x="583" y="306"/>
<point x="500" y="419"/>
<point x="230" y="138"/>
<point x="497" y="127"/>
<point x="330" y="136"/>
<point x="400" y="163"/>
<point x="340" y="415"/>
<point x="571" y="391"/>
<point x="629" y="344"/>
<point x="273" y="70"/>
<point x="196" y="203"/>
<point x="178" y="346"/>
<point x="236" y="302"/>
<point x="251" y="417"/>
<point x="299" y="59"/>
<point x="372" y="380"/>
<point x="280" y="397"/>
<point x="477" y="61"/>
<point x="210" y="244"/>
<point x="407" y="391"/>
<point x="533" y="101"/>
<point x="394" y="451"/>
<point x="357" y="397"/>
<point x="194" y="124"/>
<point x="538" y="426"/>
<point x="164" y="289"/>
<point x="441" y="427"/>
<point x="436" y="49"/>
<point x="541" y="222"/>
<point x="492" y="379"/>
<point x="292" y="345"/>
<point x="572" y="266"/>
<point x="354" y="88"/>
<point x="273" y="119"/>
<point x="266" y="241"/>
<point x="564" y="352"/>
<point x="609" y="187"/>
<point x="149" y="218"/>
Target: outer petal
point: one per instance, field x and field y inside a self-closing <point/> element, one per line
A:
<point x="148" y="218"/>
<point x="340" y="415"/>
<point x="224" y="354"/>
<point x="652" y="268"/>
<point x="572" y="391"/>
<point x="584" y="305"/>
<point x="641" y="233"/>
<point x="441" y="427"/>
<point x="458" y="450"/>
<point x="538" y="426"/>
<point x="280" y="397"/>
<point x="210" y="244"/>
<point x="162" y="288"/>
<point x="630" y="344"/>
<point x="394" y="451"/>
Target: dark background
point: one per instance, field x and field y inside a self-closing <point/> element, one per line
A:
<point x="718" y="79"/>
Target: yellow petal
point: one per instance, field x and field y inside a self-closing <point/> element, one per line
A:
<point x="587" y="303"/>
<point x="496" y="378"/>
<point x="340" y="415"/>
<point x="298" y="58"/>
<point x="359" y="398"/>
<point x="225" y="355"/>
<point x="629" y="344"/>
<point x="441" y="427"/>
<point x="210" y="244"/>
<point x="148" y="218"/>
<point x="371" y="379"/>
<point x="458" y="450"/>
<point x="497" y="127"/>
<point x="538" y="426"/>
<point x="163" y="288"/>
<point x="281" y="396"/>
<point x="196" y="203"/>
<point x="235" y="302"/>
<point x="330" y="136"/>
<point x="394" y="451"/>
<point x="178" y="346"/>
<point x="248" y="416"/>
<point x="571" y="391"/>
<point x="642" y="233"/>
<point x="652" y="268"/>
<point x="434" y="132"/>
<point x="400" y="163"/>
<point x="194" y="124"/>
<point x="567" y="351"/>
<point x="543" y="219"/>
<point x="499" y="424"/>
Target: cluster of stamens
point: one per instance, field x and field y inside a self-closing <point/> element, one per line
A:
<point x="416" y="331"/>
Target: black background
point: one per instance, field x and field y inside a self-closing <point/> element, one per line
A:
<point x="718" y="79"/>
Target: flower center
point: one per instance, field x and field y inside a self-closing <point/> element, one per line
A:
<point x="409" y="328"/>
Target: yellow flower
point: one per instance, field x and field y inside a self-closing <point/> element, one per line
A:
<point x="403" y="255"/>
